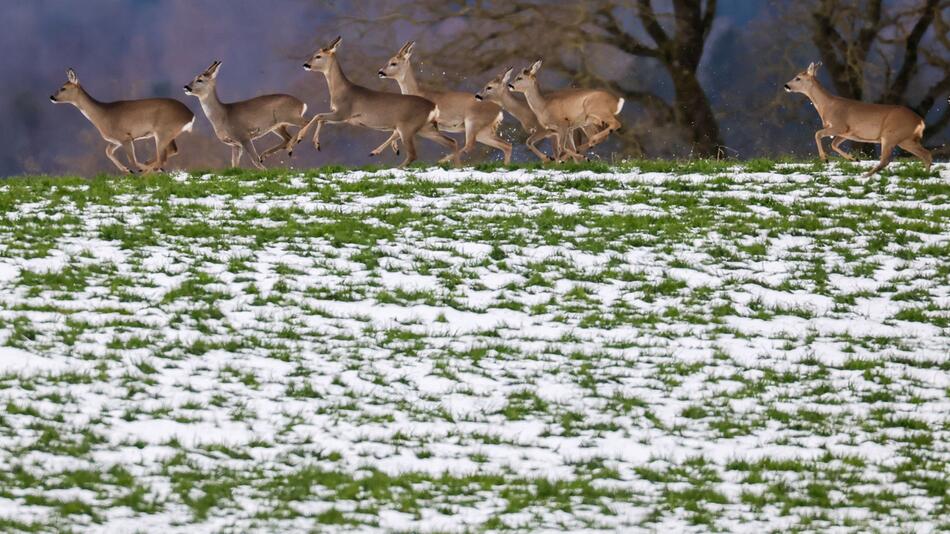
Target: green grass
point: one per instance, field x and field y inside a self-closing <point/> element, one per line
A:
<point x="688" y="345"/>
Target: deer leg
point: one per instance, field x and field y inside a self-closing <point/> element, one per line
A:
<point x="887" y="148"/>
<point x="590" y="130"/>
<point x="430" y="132"/>
<point x="571" y="147"/>
<point x="914" y="147"/>
<point x="162" y="149"/>
<point x="110" y="153"/>
<point x="303" y="130"/>
<point x="389" y="142"/>
<point x="171" y="149"/>
<point x="533" y="140"/>
<point x="236" y="152"/>
<point x="129" y="147"/>
<point x="251" y="150"/>
<point x="821" y="134"/>
<point x="332" y="117"/>
<point x="836" y="146"/>
<point x="471" y="133"/>
<point x="565" y="145"/>
<point x="285" y="145"/>
<point x="490" y="138"/>
<point x="612" y="125"/>
<point x="410" y="143"/>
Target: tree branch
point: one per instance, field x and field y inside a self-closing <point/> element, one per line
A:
<point x="909" y="66"/>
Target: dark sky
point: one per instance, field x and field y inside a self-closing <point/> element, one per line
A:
<point x="137" y="48"/>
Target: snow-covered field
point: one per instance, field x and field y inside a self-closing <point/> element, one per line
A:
<point x="455" y="350"/>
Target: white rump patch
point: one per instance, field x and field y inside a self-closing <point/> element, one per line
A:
<point x="619" y="107"/>
<point x="304" y="112"/>
<point x="188" y="127"/>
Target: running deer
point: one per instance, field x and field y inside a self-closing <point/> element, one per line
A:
<point x="237" y="124"/>
<point x="497" y="91"/>
<point x="565" y="111"/>
<point x="458" y="111"/>
<point x="888" y="125"/>
<point x="404" y="115"/>
<point x="123" y="122"/>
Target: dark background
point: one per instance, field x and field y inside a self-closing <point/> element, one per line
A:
<point x="708" y="83"/>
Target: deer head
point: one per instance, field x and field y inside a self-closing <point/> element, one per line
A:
<point x="526" y="78"/>
<point x="804" y="80"/>
<point x="324" y="57"/>
<point x="70" y="91"/>
<point x="493" y="89"/>
<point x="205" y="82"/>
<point x="399" y="65"/>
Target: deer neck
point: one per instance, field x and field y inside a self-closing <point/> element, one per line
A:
<point x="213" y="108"/>
<point x="90" y="107"/>
<point x="820" y="98"/>
<point x="516" y="107"/>
<point x="337" y="82"/>
<point x="535" y="99"/>
<point x="408" y="84"/>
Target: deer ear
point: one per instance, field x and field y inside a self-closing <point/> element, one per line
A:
<point x="410" y="48"/>
<point x="506" y="75"/>
<point x="336" y="42"/>
<point x="213" y="69"/>
<point x="71" y="76"/>
<point x="813" y="68"/>
<point x="536" y="67"/>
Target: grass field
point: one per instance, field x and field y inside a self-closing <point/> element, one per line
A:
<point x="674" y="347"/>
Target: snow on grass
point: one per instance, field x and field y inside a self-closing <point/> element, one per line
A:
<point x="682" y="347"/>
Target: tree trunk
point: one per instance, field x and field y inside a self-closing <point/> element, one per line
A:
<point x="693" y="113"/>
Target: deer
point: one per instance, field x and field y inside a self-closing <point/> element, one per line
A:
<point x="497" y="91"/>
<point x="458" y="111"/>
<point x="404" y="115"/>
<point x="237" y="124"/>
<point x="123" y="122"/>
<point x="845" y="119"/>
<point x="565" y="111"/>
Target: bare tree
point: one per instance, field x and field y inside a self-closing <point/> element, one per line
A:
<point x="577" y="40"/>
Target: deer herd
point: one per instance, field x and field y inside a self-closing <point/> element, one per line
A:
<point x="563" y="116"/>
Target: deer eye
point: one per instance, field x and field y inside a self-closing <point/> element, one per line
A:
<point x="318" y="57"/>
